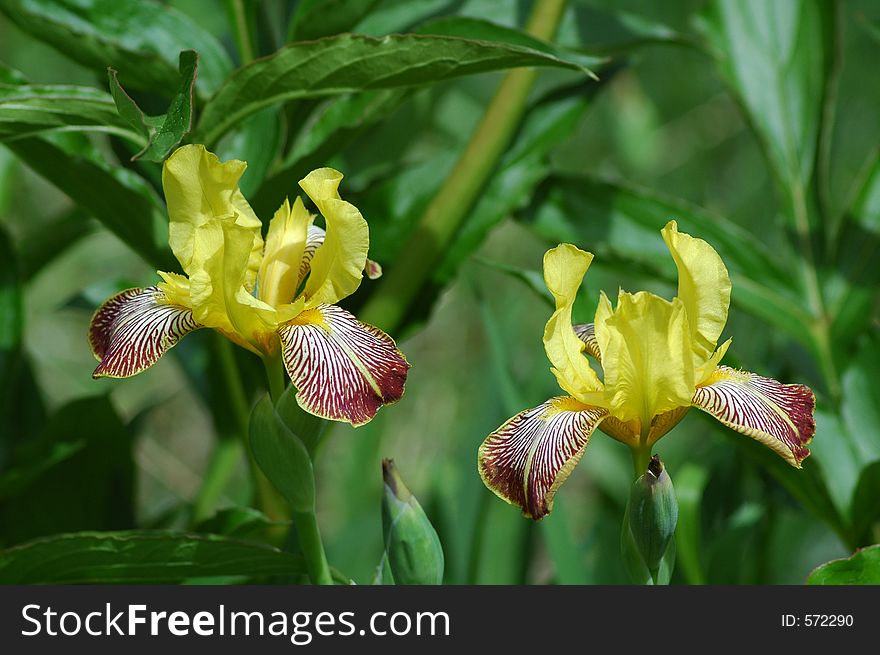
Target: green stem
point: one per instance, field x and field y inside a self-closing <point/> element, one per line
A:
<point x="309" y="538"/>
<point x="276" y="376"/>
<point x="641" y="455"/>
<point x="241" y="30"/>
<point x="449" y="208"/>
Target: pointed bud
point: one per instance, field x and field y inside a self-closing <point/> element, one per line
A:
<point x="652" y="513"/>
<point x="411" y="543"/>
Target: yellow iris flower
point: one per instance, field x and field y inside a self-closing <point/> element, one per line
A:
<point x="271" y="297"/>
<point x="658" y="359"/>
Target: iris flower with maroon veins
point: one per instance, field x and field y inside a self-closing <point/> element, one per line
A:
<point x="273" y="298"/>
<point x="658" y="359"/>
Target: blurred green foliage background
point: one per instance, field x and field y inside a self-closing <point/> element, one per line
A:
<point x="754" y="124"/>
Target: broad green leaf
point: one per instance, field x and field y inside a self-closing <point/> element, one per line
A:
<point x="860" y="402"/>
<point x="117" y="197"/>
<point x="349" y="63"/>
<point x="865" y="510"/>
<point x="307" y="427"/>
<point x="621" y="225"/>
<point x="775" y="56"/>
<point x="313" y="19"/>
<point x="9" y="75"/>
<point x="834" y="451"/>
<point x="257" y="140"/>
<point x="11" y="326"/>
<point x="690" y="482"/>
<point x="476" y="29"/>
<point x="27" y="110"/>
<point x="567" y="555"/>
<point x="282" y="456"/>
<point x="140" y="557"/>
<point x="239" y="522"/>
<point x="610" y="30"/>
<point x="331" y="127"/>
<point x="519" y="172"/>
<point x="139" y="38"/>
<point x="37" y="248"/>
<point x="165" y="131"/>
<point x="76" y="475"/>
<point x="863" y="567"/>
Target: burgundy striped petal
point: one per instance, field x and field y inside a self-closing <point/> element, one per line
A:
<point x="586" y="332"/>
<point x="343" y="369"/>
<point x="132" y="330"/>
<point x="778" y="415"/>
<point x="526" y="459"/>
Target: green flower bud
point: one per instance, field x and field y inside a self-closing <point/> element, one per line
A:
<point x="652" y="513"/>
<point x="411" y="543"/>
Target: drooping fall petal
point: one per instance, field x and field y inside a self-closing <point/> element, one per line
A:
<point x="343" y="370"/>
<point x="778" y="415"/>
<point x="133" y="329"/>
<point x="337" y="267"/>
<point x="564" y="269"/>
<point x="646" y="356"/>
<point x="703" y="286"/>
<point x="526" y="459"/>
<point x="198" y="189"/>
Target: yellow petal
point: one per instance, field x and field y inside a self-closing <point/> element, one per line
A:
<point x="175" y="289"/>
<point x="285" y="245"/>
<point x="703" y="286"/>
<point x="220" y="299"/>
<point x="564" y="269"/>
<point x="336" y="269"/>
<point x="646" y="356"/>
<point x="705" y="371"/>
<point x="199" y="189"/>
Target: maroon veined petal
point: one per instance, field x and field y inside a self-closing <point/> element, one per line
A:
<point x="343" y="370"/>
<point x="526" y="459"/>
<point x="133" y="329"/>
<point x="778" y="415"/>
<point x="586" y="332"/>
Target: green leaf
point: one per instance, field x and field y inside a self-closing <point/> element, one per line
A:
<point x="39" y="247"/>
<point x="349" y="63"/>
<point x="776" y="56"/>
<point x="28" y="110"/>
<point x="239" y="522"/>
<point x="9" y="75"/>
<point x="165" y="131"/>
<point x="11" y="326"/>
<point x="307" y="427"/>
<point x="865" y="510"/>
<point x="117" y="197"/>
<point x="77" y="475"/>
<point x="623" y="227"/>
<point x="257" y="140"/>
<point x="690" y="483"/>
<point x="316" y="18"/>
<point x="140" y="557"/>
<point x="519" y="172"/>
<point x="567" y="555"/>
<point x="860" y="404"/>
<point x="139" y="38"/>
<point x="282" y="456"/>
<point x="863" y="567"/>
<point x="477" y="29"/>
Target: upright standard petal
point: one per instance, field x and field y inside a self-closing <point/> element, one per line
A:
<point x="133" y="329"/>
<point x="286" y="243"/>
<point x="778" y="415"/>
<point x="220" y="299"/>
<point x="373" y="270"/>
<point x="646" y="356"/>
<point x="703" y="286"/>
<point x="199" y="188"/>
<point x="526" y="459"/>
<point x="337" y="267"/>
<point x="343" y="370"/>
<point x="564" y="270"/>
